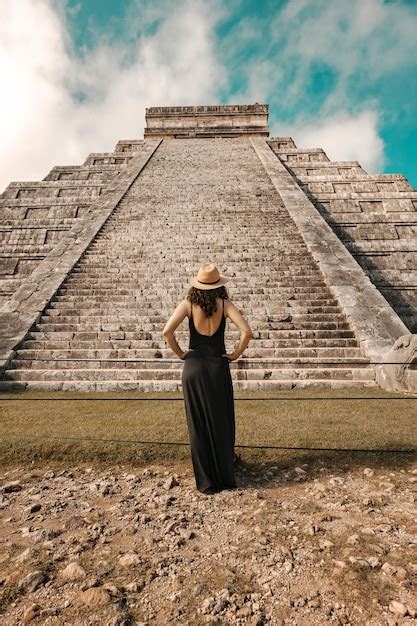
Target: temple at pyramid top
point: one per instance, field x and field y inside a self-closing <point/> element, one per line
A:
<point x="230" y="120"/>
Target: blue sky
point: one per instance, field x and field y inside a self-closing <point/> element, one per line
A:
<point x="336" y="74"/>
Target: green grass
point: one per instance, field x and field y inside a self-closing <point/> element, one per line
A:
<point x="317" y="420"/>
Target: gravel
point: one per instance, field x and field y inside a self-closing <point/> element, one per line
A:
<point x="309" y="545"/>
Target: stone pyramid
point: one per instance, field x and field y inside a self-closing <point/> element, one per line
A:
<point x="322" y="258"/>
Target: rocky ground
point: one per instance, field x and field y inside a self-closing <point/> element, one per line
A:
<point x="308" y="544"/>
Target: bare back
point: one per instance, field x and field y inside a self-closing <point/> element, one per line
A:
<point x="207" y="325"/>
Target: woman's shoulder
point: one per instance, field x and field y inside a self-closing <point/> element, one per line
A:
<point x="227" y="306"/>
<point x="186" y="306"/>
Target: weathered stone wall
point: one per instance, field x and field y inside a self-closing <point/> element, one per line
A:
<point x="108" y="247"/>
<point x="194" y="199"/>
<point x="34" y="216"/>
<point x="26" y="305"/>
<point x="374" y="216"/>
<point x="207" y="121"/>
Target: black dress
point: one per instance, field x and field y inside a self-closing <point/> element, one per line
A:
<point x="209" y="407"/>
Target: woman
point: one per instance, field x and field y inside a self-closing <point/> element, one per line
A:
<point x="206" y="379"/>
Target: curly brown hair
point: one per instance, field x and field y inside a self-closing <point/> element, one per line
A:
<point x="206" y="298"/>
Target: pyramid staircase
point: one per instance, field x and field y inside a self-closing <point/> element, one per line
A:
<point x="209" y="199"/>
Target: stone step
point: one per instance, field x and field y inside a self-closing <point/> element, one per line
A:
<point x="132" y="374"/>
<point x="174" y="364"/>
<point x="67" y="340"/>
<point x="314" y="292"/>
<point x="234" y="244"/>
<point x="114" y="285"/>
<point x="137" y="310"/>
<point x="65" y="301"/>
<point x="37" y="352"/>
<point x="131" y="270"/>
<point x="183" y="335"/>
<point x="94" y="258"/>
<point x="173" y="386"/>
<point x="135" y="278"/>
<point x="169" y="252"/>
<point x="263" y="320"/>
<point x="88" y="324"/>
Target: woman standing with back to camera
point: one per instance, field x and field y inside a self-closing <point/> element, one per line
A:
<point x="206" y="379"/>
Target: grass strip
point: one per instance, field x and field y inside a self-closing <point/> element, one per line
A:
<point x="320" y="419"/>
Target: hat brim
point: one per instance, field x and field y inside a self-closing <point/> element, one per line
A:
<point x="196" y="283"/>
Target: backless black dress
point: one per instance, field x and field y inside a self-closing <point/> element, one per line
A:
<point x="209" y="407"/>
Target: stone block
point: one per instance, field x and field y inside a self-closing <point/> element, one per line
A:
<point x="398" y="368"/>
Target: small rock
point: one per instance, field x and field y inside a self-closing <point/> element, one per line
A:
<point x="30" y="613"/>
<point x="75" y="521"/>
<point x="336" y="480"/>
<point x="34" y="508"/>
<point x="401" y="573"/>
<point x="398" y="608"/>
<point x="25" y="555"/>
<point x="133" y="478"/>
<point x="90" y="582"/>
<point x="368" y="472"/>
<point x="130" y="559"/>
<point x="45" y="534"/>
<point x="352" y="539"/>
<point x="171" y="482"/>
<point x="322" y="516"/>
<point x="187" y="534"/>
<point x="95" y="597"/>
<point x="133" y="587"/>
<point x="175" y="596"/>
<point x="32" y="581"/>
<point x="244" y="611"/>
<point x="220" y="604"/>
<point x="198" y="589"/>
<point x="388" y="569"/>
<point x="73" y="571"/>
<point x="112" y="589"/>
<point x="12" y="487"/>
<point x="208" y="605"/>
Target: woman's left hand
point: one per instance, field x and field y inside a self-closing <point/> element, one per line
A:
<point x="184" y="354"/>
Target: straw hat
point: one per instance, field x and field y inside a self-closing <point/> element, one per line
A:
<point x="208" y="277"/>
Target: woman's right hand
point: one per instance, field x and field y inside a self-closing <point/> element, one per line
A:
<point x="231" y="357"/>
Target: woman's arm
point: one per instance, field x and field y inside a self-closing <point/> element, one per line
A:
<point x="174" y="321"/>
<point x="246" y="333"/>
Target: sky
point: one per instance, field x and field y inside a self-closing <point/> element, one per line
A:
<point x="76" y="75"/>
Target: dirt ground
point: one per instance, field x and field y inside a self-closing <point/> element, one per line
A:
<point x="306" y="544"/>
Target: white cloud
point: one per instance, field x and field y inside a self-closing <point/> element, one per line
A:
<point x="371" y="35"/>
<point x="41" y="122"/>
<point x="262" y="75"/>
<point x="344" y="137"/>
<point x="364" y="40"/>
